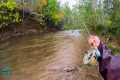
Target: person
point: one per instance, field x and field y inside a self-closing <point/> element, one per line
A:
<point x="109" y="67"/>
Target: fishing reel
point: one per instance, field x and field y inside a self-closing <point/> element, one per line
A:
<point x="91" y="56"/>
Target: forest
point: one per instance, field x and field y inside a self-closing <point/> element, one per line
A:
<point x="99" y="16"/>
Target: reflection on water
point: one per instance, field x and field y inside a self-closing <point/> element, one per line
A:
<point x="53" y="56"/>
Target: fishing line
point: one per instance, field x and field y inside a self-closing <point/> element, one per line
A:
<point x="86" y="30"/>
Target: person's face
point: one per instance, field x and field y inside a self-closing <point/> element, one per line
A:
<point x="94" y="41"/>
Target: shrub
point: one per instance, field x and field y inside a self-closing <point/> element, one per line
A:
<point x="53" y="14"/>
<point x="9" y="13"/>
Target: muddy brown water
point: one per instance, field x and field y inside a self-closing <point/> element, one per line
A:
<point x="53" y="56"/>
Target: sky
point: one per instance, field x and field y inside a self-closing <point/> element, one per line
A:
<point x="71" y="2"/>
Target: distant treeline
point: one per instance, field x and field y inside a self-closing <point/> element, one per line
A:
<point x="100" y="16"/>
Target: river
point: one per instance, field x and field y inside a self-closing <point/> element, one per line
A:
<point x="52" y="56"/>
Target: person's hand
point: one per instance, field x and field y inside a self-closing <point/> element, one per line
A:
<point x="94" y="41"/>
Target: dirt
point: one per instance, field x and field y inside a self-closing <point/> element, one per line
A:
<point x="27" y="27"/>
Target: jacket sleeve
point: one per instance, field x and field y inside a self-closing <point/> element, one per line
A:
<point x="104" y="51"/>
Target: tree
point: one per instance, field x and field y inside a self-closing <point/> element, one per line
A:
<point x="53" y="14"/>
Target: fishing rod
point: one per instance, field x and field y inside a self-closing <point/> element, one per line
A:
<point x="93" y="52"/>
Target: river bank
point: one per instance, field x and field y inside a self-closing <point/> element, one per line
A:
<point x="28" y="27"/>
<point x="32" y="27"/>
